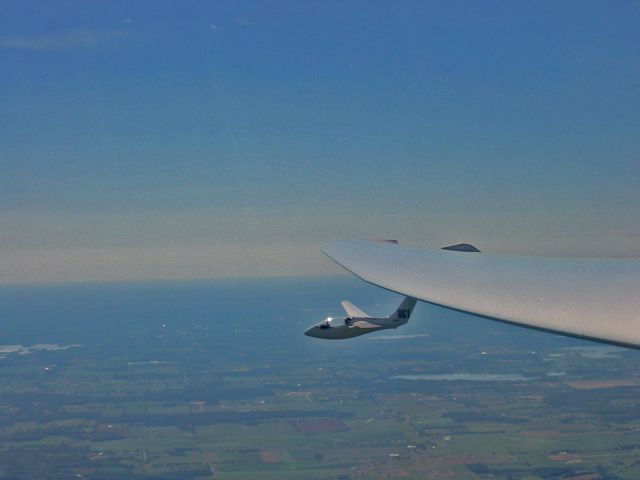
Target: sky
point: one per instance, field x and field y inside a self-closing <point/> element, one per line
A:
<point x="210" y="139"/>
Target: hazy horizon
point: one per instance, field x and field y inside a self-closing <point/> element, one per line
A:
<point x="173" y="140"/>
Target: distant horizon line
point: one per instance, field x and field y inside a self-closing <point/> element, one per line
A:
<point x="142" y="281"/>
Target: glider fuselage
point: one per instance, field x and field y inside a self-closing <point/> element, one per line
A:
<point x="338" y="328"/>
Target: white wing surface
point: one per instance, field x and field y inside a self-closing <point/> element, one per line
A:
<point x="598" y="299"/>
<point x="352" y="310"/>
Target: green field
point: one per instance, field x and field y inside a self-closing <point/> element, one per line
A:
<point x="98" y="415"/>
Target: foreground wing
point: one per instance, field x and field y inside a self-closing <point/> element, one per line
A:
<point x="598" y="299"/>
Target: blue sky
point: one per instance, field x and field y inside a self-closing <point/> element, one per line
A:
<point x="158" y="139"/>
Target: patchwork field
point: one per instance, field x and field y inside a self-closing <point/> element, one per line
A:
<point x="261" y="401"/>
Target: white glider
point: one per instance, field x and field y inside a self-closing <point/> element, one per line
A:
<point x="595" y="299"/>
<point x="359" y="323"/>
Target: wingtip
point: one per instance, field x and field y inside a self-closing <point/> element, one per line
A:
<point x="462" y="247"/>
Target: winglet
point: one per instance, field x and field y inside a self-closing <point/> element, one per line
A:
<point x="462" y="247"/>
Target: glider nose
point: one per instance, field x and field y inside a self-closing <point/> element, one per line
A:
<point x="312" y="331"/>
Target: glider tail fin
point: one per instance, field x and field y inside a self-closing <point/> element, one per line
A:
<point x="404" y="309"/>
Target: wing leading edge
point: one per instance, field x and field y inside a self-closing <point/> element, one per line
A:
<point x="597" y="299"/>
